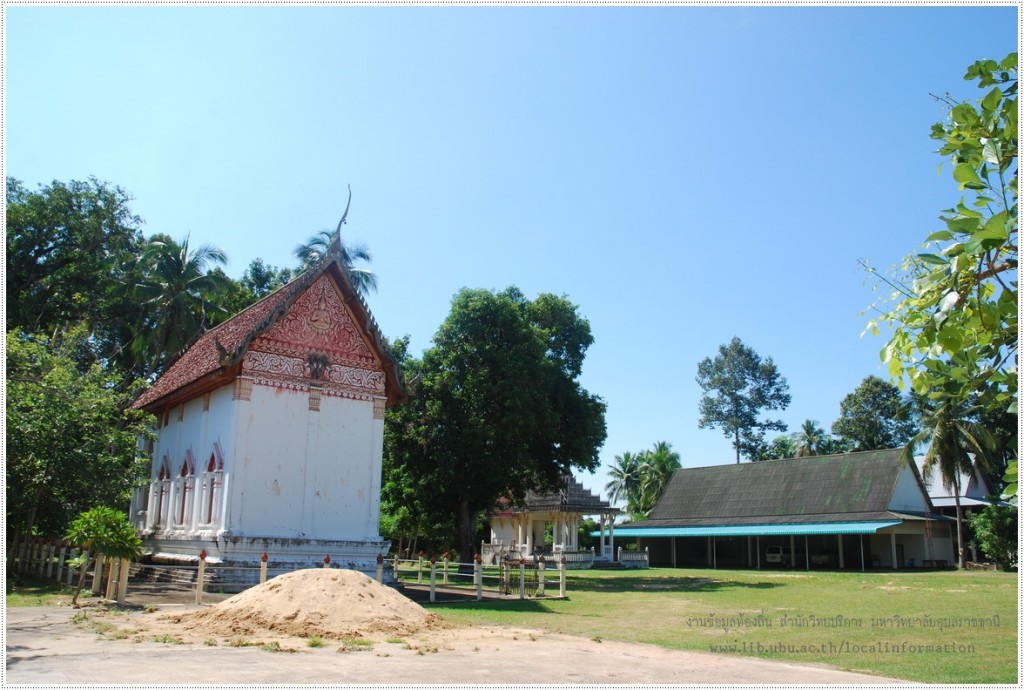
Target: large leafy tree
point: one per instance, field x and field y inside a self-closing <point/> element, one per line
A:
<point x="875" y="416"/>
<point x="953" y="306"/>
<point x="181" y="291"/>
<point x="996" y="530"/>
<point x="738" y="384"/>
<point x="70" y="249"/>
<point x="497" y="409"/>
<point x="70" y="441"/>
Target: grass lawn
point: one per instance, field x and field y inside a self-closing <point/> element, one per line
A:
<point x="935" y="627"/>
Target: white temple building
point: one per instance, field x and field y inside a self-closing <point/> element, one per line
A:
<point x="270" y="433"/>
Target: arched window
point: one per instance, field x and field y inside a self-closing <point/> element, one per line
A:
<point x="212" y="482"/>
<point x="185" y="490"/>
<point x="162" y="492"/>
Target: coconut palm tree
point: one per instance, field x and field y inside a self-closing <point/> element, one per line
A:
<point x="952" y="437"/>
<point x="656" y="468"/>
<point x="809" y="439"/>
<point x="179" y="290"/>
<point x="625" y="481"/>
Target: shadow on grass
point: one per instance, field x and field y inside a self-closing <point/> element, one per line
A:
<point x="633" y="584"/>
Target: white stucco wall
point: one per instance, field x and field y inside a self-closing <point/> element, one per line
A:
<point x="303" y="473"/>
<point x="907" y="495"/>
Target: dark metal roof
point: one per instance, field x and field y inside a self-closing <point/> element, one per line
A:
<point x="831" y="488"/>
<point x="572" y="497"/>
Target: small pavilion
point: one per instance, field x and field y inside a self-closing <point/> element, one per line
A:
<point x="522" y="528"/>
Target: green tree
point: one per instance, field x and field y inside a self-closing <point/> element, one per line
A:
<point x="625" y="484"/>
<point x="995" y="528"/>
<point x="317" y="247"/>
<point x="780" y="447"/>
<point x="656" y="468"/>
<point x="102" y="530"/>
<point x="496" y="409"/>
<point x="71" y="441"/>
<point x="875" y="416"/>
<point x="180" y="292"/>
<point x="809" y="439"/>
<point x="953" y="306"/>
<point x="956" y="441"/>
<point x="737" y="386"/>
<point x="69" y="245"/>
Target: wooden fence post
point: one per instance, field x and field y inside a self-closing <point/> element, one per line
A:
<point x="263" y="568"/>
<point x="478" y="577"/>
<point x="561" y="578"/>
<point x="201" y="577"/>
<point x="433" y="577"/>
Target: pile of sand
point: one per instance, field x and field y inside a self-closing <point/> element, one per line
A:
<point x="333" y="604"/>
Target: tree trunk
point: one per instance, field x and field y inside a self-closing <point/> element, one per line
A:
<point x="81" y="577"/>
<point x="959" y="523"/>
<point x="466" y="524"/>
<point x="736" y="445"/>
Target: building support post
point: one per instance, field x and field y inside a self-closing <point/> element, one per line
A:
<point x="862" y="553"/>
<point x="792" y="551"/>
<point x="892" y="541"/>
<point x="807" y="552"/>
<point x="842" y="560"/>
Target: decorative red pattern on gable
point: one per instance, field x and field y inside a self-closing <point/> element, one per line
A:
<point x="203" y="357"/>
<point x="318" y="321"/>
<point x="318" y="311"/>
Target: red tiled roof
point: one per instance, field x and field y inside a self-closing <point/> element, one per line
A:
<point x="216" y="352"/>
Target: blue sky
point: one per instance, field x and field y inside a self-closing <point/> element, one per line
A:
<point x="683" y="174"/>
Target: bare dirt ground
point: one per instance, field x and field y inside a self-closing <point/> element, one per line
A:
<point x="368" y="634"/>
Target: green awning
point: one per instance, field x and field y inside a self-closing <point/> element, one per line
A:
<point x="757" y="530"/>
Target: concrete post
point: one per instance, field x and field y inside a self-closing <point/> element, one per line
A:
<point x="263" y="568"/>
<point x="113" y="575"/>
<point x="522" y="579"/>
<point x="201" y="577"/>
<point x="540" y="577"/>
<point x="71" y="571"/>
<point x="122" y="583"/>
<point x="51" y="554"/>
<point x="97" y="574"/>
<point x="419" y="570"/>
<point x="40" y="552"/>
<point x="60" y="560"/>
<point x="433" y="578"/>
<point x="327" y="560"/>
<point x="380" y="568"/>
<point x="444" y="573"/>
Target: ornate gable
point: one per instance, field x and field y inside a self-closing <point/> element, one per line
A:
<point x="317" y="342"/>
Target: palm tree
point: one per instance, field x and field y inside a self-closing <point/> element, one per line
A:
<point x="178" y="288"/>
<point x="319" y="245"/>
<point x="625" y="483"/>
<point x="809" y="439"/>
<point x="656" y="468"/>
<point x="952" y="438"/>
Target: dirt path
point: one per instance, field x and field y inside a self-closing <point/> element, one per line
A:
<point x="44" y="647"/>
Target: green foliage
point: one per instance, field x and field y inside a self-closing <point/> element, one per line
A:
<point x="1010" y="490"/>
<point x="640" y="479"/>
<point x="71" y="442"/>
<point x="737" y="385"/>
<point x="70" y="246"/>
<point x="317" y="247"/>
<point x="995" y="528"/>
<point x="106" y="531"/>
<point x="180" y="295"/>
<point x="875" y="416"/>
<point x="954" y="310"/>
<point x="496" y="409"/>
